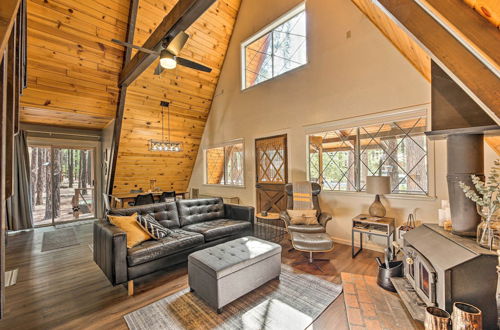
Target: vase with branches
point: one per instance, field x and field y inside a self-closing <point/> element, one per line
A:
<point x="487" y="198"/>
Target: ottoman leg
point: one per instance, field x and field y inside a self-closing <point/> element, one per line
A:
<point x="191" y="289"/>
<point x="219" y="310"/>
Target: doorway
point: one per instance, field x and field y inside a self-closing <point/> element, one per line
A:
<point x="271" y="163"/>
<point x="62" y="180"/>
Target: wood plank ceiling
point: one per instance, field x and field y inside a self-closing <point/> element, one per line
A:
<point x="189" y="92"/>
<point x="411" y="49"/>
<point x="73" y="66"/>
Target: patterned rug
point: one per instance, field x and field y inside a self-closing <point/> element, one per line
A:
<point x="59" y="238"/>
<point x="293" y="302"/>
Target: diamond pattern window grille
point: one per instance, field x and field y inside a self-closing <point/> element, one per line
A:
<point x="271" y="154"/>
<point x="341" y="159"/>
<point x="224" y="165"/>
<point x="278" y="51"/>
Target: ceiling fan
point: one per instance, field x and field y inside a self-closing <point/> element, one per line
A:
<point x="168" y="55"/>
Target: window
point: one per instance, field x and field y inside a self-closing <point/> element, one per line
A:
<point x="277" y="49"/>
<point x="341" y="159"/>
<point x="224" y="165"/>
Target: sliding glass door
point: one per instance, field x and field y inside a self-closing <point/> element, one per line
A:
<point x="62" y="181"/>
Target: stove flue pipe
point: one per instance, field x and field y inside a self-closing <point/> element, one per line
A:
<point x="465" y="157"/>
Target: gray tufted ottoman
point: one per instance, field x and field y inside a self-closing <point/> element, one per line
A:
<point x="225" y="272"/>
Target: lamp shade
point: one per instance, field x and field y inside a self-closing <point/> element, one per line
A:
<point x="378" y="185"/>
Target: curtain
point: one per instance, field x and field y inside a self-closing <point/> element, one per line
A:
<point x="19" y="212"/>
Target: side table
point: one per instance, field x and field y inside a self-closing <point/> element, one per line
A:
<point x="269" y="227"/>
<point x="366" y="224"/>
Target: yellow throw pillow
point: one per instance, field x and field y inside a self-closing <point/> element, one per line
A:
<point x="135" y="234"/>
<point x="303" y="217"/>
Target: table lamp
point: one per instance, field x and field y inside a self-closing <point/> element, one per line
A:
<point x="378" y="185"/>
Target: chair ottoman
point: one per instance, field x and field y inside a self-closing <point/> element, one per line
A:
<point x="311" y="242"/>
<point x="225" y="272"/>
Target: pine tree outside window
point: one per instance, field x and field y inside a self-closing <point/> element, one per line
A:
<point x="277" y="49"/>
<point x="225" y="165"/>
<point x="341" y="159"/>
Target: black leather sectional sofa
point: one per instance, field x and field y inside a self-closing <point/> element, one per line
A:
<point x="196" y="224"/>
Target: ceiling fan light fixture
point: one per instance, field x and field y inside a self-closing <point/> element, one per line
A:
<point x="167" y="60"/>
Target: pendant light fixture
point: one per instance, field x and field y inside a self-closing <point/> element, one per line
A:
<point x="165" y="145"/>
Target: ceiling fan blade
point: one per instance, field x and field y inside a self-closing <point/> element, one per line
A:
<point x="142" y="49"/>
<point x="175" y="46"/>
<point x="192" y="65"/>
<point x="159" y="69"/>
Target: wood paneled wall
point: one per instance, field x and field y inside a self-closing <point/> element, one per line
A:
<point x="73" y="66"/>
<point x="189" y="92"/>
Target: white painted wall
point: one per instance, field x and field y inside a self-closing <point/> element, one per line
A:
<point x="345" y="78"/>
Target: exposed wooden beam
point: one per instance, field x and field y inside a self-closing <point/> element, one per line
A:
<point x="134" y="5"/>
<point x="182" y="15"/>
<point x="460" y="64"/>
<point x="468" y="25"/>
<point x="8" y="13"/>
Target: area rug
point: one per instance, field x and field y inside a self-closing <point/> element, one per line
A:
<point x="59" y="238"/>
<point x="293" y="302"/>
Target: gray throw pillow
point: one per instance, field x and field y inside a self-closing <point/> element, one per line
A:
<point x="153" y="227"/>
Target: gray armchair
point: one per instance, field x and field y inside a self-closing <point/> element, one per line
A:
<point x="323" y="217"/>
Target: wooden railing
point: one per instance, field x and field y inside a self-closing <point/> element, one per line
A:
<point x="8" y="14"/>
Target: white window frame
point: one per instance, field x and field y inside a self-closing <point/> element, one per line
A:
<point x="377" y="119"/>
<point x="277" y="22"/>
<point x="222" y="145"/>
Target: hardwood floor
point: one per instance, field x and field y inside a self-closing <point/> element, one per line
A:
<point x="65" y="289"/>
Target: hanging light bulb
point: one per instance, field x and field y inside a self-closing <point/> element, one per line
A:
<point x="164" y="144"/>
<point x="167" y="60"/>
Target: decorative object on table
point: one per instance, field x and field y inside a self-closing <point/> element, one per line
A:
<point x="259" y="309"/>
<point x="378" y="185"/>
<point x="436" y="319"/>
<point x="409" y="225"/>
<point x="387" y="270"/>
<point x="444" y="213"/>
<point x="466" y="317"/>
<point x="448" y="225"/>
<point x="165" y="144"/>
<point x="264" y="213"/>
<point x="152" y="185"/>
<point x="487" y="199"/>
<point x="365" y="224"/>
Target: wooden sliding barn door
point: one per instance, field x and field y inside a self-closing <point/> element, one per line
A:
<point x="271" y="163"/>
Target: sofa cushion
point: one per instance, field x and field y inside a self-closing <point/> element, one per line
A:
<point x="177" y="241"/>
<point x="165" y="213"/>
<point x="135" y="233"/>
<point x="153" y="227"/>
<point x="219" y="228"/>
<point x="199" y="210"/>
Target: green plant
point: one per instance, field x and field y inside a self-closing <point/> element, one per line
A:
<point x="487" y="196"/>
